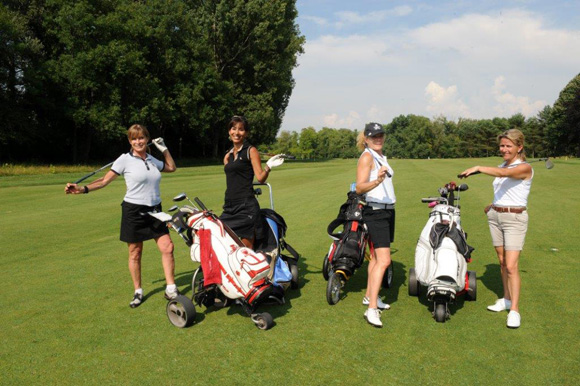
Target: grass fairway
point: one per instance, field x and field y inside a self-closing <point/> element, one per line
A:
<point x="66" y="287"/>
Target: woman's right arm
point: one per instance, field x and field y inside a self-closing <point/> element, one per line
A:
<point x="95" y="185"/>
<point x="363" y="172"/>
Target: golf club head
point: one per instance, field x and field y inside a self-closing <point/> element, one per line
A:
<point x="180" y="197"/>
<point x="172" y="209"/>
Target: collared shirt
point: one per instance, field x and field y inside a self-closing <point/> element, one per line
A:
<point x="142" y="177"/>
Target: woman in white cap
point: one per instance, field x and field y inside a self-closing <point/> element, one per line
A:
<point x="374" y="178"/>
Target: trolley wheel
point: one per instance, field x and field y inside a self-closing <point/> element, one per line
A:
<point x="181" y="311"/>
<point x="326" y="268"/>
<point x="333" y="288"/>
<point x="263" y="321"/>
<point x="388" y="277"/>
<point x="295" y="278"/>
<point x="472" y="286"/>
<point x="196" y="282"/>
<point x="440" y="312"/>
<point x="413" y="283"/>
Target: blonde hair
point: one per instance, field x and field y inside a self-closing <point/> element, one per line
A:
<point x="517" y="137"/>
<point x="136" y="130"/>
<point x="361" y="143"/>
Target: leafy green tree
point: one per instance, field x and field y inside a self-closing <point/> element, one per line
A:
<point x="564" y="122"/>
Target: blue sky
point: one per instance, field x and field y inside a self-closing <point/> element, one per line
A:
<point x="371" y="60"/>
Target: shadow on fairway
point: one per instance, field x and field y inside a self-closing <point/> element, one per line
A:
<point x="491" y="279"/>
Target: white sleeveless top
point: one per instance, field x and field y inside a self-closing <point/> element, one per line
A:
<point x="510" y="191"/>
<point x="385" y="192"/>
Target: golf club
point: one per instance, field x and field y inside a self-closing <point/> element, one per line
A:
<point x="285" y="156"/>
<point x="549" y="165"/>
<point x="98" y="170"/>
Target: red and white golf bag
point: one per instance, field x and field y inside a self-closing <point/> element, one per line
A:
<point x="238" y="271"/>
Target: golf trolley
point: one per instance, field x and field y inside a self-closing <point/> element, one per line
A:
<point x="348" y="248"/>
<point x="230" y="273"/>
<point x="442" y="254"/>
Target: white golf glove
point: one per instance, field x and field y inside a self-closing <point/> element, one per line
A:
<point x="277" y="160"/>
<point x="159" y="144"/>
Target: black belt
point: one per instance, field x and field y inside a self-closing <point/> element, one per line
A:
<point x="376" y="205"/>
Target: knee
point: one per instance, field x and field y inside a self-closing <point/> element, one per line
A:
<point x="135" y="254"/>
<point x="167" y="248"/>
<point x="511" y="269"/>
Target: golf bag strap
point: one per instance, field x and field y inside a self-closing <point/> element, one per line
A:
<point x="332" y="227"/>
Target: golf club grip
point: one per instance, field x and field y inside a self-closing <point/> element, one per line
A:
<point x="201" y="205"/>
<point x="472" y="174"/>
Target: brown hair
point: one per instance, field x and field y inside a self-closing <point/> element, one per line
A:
<point x="517" y="137"/>
<point x="136" y="130"/>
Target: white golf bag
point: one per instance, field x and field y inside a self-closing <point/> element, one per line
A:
<point x="442" y="254"/>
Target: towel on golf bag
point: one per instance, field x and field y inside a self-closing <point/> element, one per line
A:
<point x="209" y="262"/>
<point x="441" y="230"/>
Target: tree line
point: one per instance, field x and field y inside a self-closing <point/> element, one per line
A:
<point x="554" y="131"/>
<point x="75" y="74"/>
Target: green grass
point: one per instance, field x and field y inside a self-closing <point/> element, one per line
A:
<point x="66" y="287"/>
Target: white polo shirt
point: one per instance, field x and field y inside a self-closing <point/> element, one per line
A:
<point x="142" y="177"/>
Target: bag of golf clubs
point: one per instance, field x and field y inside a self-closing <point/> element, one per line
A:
<point x="272" y="243"/>
<point x="442" y="254"/>
<point x="229" y="271"/>
<point x="347" y="250"/>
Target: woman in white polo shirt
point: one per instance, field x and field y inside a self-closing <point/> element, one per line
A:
<point x="374" y="179"/>
<point x="508" y="217"/>
<point x="142" y="173"/>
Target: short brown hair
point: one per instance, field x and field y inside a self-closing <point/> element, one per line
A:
<point x="136" y="130"/>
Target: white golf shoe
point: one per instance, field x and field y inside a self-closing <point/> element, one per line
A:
<point x="514" y="319"/>
<point x="380" y="304"/>
<point x="500" y="305"/>
<point x="373" y="317"/>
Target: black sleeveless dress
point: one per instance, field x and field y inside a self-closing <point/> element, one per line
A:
<point x="241" y="209"/>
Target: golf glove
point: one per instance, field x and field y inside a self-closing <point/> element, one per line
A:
<point x="277" y="160"/>
<point x="158" y="142"/>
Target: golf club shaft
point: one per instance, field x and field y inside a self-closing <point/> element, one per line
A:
<point x="286" y="156"/>
<point x="98" y="170"/>
<point x="92" y="173"/>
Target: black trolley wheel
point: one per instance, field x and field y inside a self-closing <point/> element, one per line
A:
<point x="326" y="268"/>
<point x="413" y="283"/>
<point x="334" y="287"/>
<point x="472" y="286"/>
<point x="440" y="312"/>
<point x="263" y="321"/>
<point x="388" y="277"/>
<point x="181" y="311"/>
<point x="294" y="283"/>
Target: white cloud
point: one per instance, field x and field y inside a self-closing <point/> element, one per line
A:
<point x="509" y="104"/>
<point x="316" y="20"/>
<point x="349" y="18"/>
<point x="384" y="74"/>
<point x="445" y="101"/>
<point x="333" y="120"/>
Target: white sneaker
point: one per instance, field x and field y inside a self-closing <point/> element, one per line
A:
<point x="514" y="319"/>
<point x="380" y="304"/>
<point x="170" y="295"/>
<point x="373" y="317"/>
<point x="500" y="305"/>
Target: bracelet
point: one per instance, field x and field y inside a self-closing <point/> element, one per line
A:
<point x="86" y="189"/>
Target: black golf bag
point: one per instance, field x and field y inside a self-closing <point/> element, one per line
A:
<point x="347" y="250"/>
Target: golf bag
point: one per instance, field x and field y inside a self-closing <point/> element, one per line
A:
<point x="238" y="272"/>
<point x="442" y="254"/>
<point x="284" y="268"/>
<point x="347" y="250"/>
